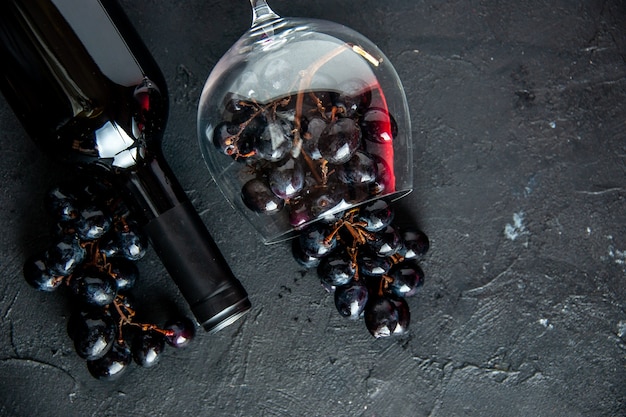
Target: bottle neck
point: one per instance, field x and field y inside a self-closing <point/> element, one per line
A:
<point x="151" y="188"/>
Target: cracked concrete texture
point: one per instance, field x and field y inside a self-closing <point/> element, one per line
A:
<point x="520" y="154"/>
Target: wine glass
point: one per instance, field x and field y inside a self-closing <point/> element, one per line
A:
<point x="301" y="120"/>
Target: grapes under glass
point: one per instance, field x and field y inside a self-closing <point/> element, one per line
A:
<point x="309" y="153"/>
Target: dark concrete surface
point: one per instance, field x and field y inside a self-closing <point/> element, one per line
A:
<point x="519" y="121"/>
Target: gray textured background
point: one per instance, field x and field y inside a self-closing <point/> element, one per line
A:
<point x="519" y="122"/>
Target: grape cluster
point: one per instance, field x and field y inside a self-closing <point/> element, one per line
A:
<point x="310" y="152"/>
<point x="369" y="263"/>
<point x="96" y="246"/>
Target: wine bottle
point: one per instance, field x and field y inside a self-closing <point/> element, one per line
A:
<point x="87" y="90"/>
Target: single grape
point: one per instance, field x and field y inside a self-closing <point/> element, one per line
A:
<point x="322" y="200"/>
<point x="131" y="242"/>
<point x="258" y="197"/>
<point x="311" y="136"/>
<point x="65" y="256"/>
<point x="147" y="348"/>
<point x="377" y="216"/>
<point x="386" y="242"/>
<point x="92" y="223"/>
<point x="385" y="179"/>
<point x="339" y="140"/>
<point x="38" y="275"/>
<point x="359" y="170"/>
<point x="371" y="264"/>
<point x="308" y="262"/>
<point x="299" y="213"/>
<point x="93" y="333"/>
<point x="184" y="330"/>
<point x="60" y="203"/>
<point x="317" y="240"/>
<point x="381" y="316"/>
<point x="93" y="286"/>
<point x="407" y="278"/>
<point x="350" y="299"/>
<point x="108" y="245"/>
<point x="354" y="97"/>
<point x="124" y="272"/>
<point x="336" y="269"/>
<point x="378" y="126"/>
<point x="415" y="243"/>
<point x="287" y="179"/>
<point x="111" y="366"/>
<point x="276" y="140"/>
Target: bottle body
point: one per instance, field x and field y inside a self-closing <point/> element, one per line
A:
<point x="87" y="91"/>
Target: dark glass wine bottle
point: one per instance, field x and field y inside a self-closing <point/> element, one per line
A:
<point x="87" y="90"/>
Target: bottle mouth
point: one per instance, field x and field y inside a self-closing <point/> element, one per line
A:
<point x="228" y="321"/>
<point x="223" y="318"/>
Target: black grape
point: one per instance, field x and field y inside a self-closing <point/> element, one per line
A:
<point x="258" y="197"/>
<point x="381" y="316"/>
<point x="377" y="216"/>
<point x="360" y="169"/>
<point x="386" y="242"/>
<point x="415" y="243"/>
<point x="350" y="299"/>
<point x="407" y="278"/>
<point x="94" y="286"/>
<point x="93" y="333"/>
<point x="147" y="348"/>
<point x="38" y="275"/>
<point x="92" y="223"/>
<point x="183" y="331"/>
<point x="336" y="269"/>
<point x="65" y="256"/>
<point x="339" y="140"/>
<point x="317" y="240"/>
<point x="112" y="365"/>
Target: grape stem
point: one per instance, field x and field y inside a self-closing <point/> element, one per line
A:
<point x="360" y="236"/>
<point x="126" y="318"/>
<point x="305" y="82"/>
<point x="385" y="281"/>
<point x="232" y="140"/>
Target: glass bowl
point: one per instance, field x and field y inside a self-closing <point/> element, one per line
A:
<point x="301" y="120"/>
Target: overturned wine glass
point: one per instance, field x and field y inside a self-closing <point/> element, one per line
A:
<point x="303" y="119"/>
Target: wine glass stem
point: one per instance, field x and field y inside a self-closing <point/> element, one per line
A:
<point x="261" y="12"/>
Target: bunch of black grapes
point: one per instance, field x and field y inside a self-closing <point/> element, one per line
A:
<point x="369" y="264"/>
<point x="96" y="246"/>
<point x="310" y="152"/>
